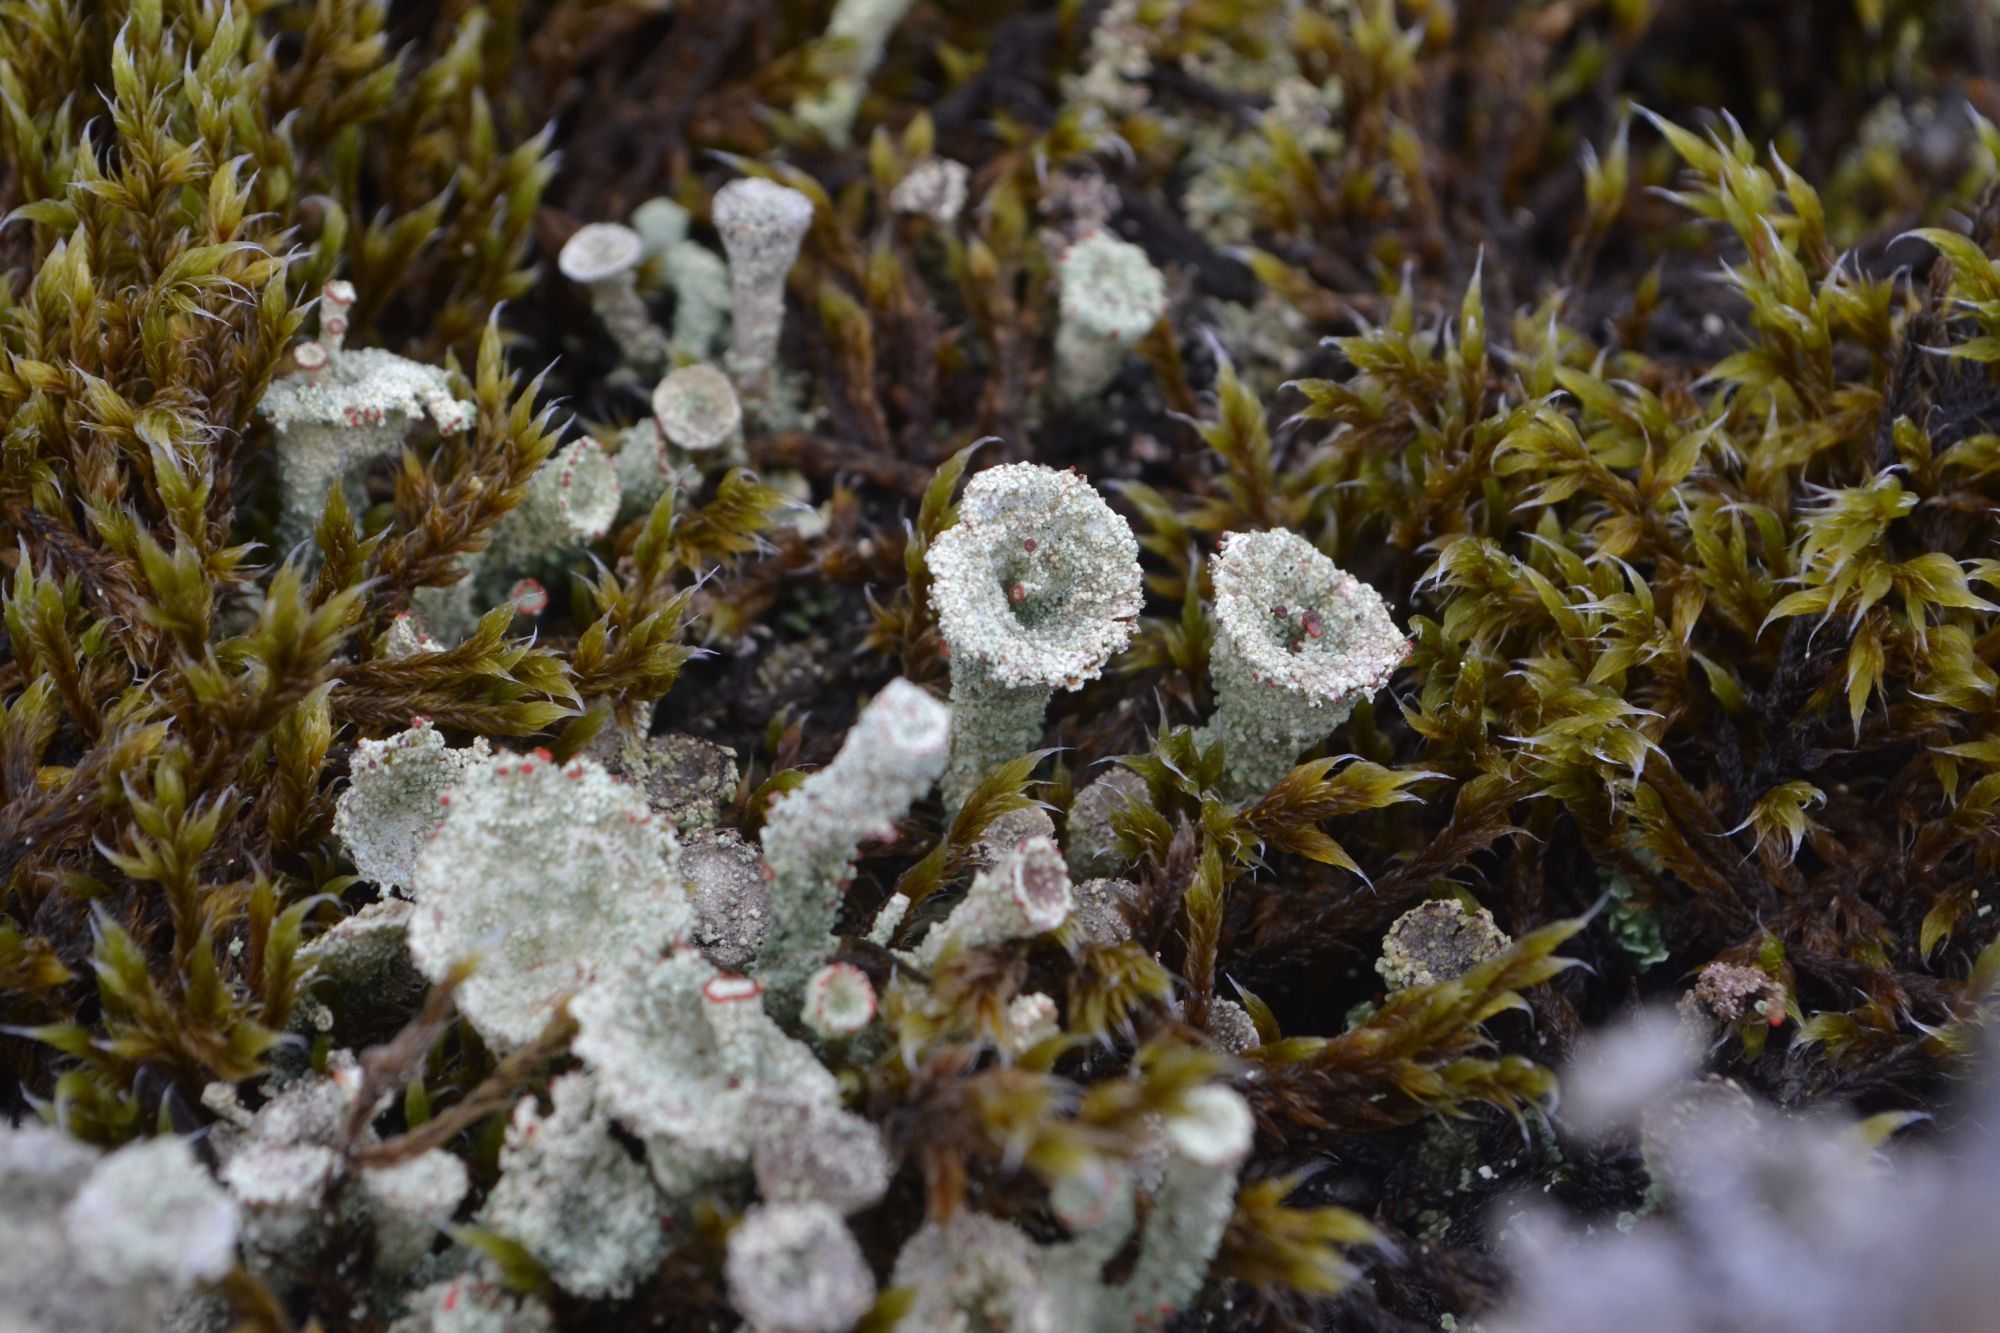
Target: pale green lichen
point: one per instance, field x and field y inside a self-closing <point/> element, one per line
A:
<point x="544" y="875"/>
<point x="762" y="225"/>
<point x="858" y="30"/>
<point x="1298" y="643"/>
<point x="1023" y="894"/>
<point x="571" y="502"/>
<point x="934" y="188"/>
<point x="686" y="1058"/>
<point x="795" y="1268"/>
<point x="575" y="1198"/>
<point x="896" y="750"/>
<point x="839" y="1002"/>
<point x="118" y="1243"/>
<point x="1111" y="296"/>
<point x="390" y="807"/>
<point x="977" y="1271"/>
<point x="603" y="258"/>
<point x="1035" y="587"/>
<point x="697" y="409"/>
<point x="340" y="410"/>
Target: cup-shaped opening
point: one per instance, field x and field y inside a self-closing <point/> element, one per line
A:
<point x="1039" y="580"/>
<point x="1299" y="622"/>
<point x="1038" y="882"/>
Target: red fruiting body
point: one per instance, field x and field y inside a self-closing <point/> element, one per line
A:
<point x="1017" y="594"/>
<point x="1314" y="625"/>
<point x="529" y="598"/>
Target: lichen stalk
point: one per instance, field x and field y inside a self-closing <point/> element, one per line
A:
<point x="894" y="753"/>
<point x="762" y="225"/>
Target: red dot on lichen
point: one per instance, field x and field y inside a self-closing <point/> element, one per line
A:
<point x="1029" y="545"/>
<point x="1017" y="594"/>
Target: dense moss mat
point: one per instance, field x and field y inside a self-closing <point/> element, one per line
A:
<point x="1638" y="352"/>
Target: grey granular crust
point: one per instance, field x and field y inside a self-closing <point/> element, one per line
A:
<point x="1091" y="845"/>
<point x="1438" y="941"/>
<point x="732" y="900"/>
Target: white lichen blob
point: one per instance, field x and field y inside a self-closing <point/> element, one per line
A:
<point x="602" y="258"/>
<point x="1111" y="297"/>
<point x="858" y="30"/>
<point x="410" y="1203"/>
<point x="685" y="1057"/>
<point x="795" y="1268"/>
<point x="549" y="876"/>
<point x="840" y="1001"/>
<point x="150" y="1212"/>
<point x="1025" y="893"/>
<point x="661" y="224"/>
<point x="935" y="188"/>
<point x="571" y="502"/>
<point x="697" y="409"/>
<point x="118" y="1243"/>
<point x="976" y="1272"/>
<point x="572" y="1195"/>
<point x="340" y="411"/>
<point x="1035" y="588"/>
<point x="390" y="807"/>
<point x="1298" y="642"/>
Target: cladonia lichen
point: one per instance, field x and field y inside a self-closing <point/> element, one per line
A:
<point x="1111" y="297"/>
<point x="1298" y="642"/>
<point x="544" y="876"/>
<point x="602" y="258"/>
<point x="762" y="224"/>
<point x="895" y="752"/>
<point x="795" y="1268"/>
<point x="859" y="29"/>
<point x="343" y="408"/>
<point x="572" y="1194"/>
<point x="1035" y="588"/>
<point x="390" y="807"/>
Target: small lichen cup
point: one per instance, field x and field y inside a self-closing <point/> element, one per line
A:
<point x="1298" y="643"/>
<point x="1035" y="588"/>
<point x="1111" y="296"/>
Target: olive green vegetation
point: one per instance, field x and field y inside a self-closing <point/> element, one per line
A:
<point x="1672" y="435"/>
